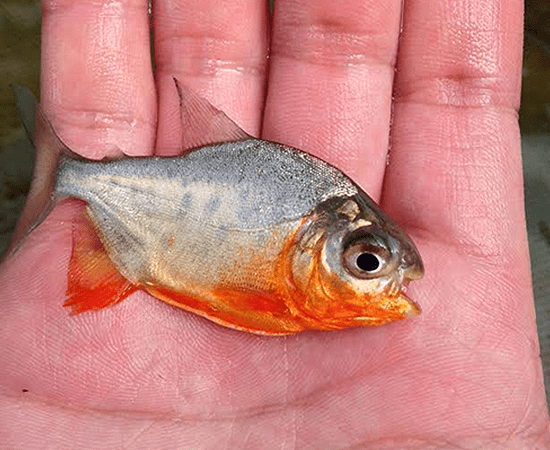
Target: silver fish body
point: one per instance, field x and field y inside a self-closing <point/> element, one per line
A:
<point x="177" y="215"/>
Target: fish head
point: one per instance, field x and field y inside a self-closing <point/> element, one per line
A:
<point x="351" y="266"/>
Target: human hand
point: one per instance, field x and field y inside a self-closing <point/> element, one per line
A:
<point x="464" y="374"/>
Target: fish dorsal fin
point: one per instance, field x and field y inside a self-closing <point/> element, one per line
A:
<point x="204" y="124"/>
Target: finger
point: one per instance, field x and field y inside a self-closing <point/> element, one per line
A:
<point x="455" y="167"/>
<point x="97" y="85"/>
<point x="330" y="82"/>
<point x="218" y="49"/>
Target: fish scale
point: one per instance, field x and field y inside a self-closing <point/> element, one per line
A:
<point x="263" y="173"/>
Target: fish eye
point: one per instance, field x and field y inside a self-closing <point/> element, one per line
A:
<point x="368" y="262"/>
<point x="366" y="258"/>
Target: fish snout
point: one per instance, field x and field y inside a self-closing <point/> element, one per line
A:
<point x="413" y="268"/>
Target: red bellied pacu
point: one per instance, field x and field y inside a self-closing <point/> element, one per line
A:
<point x="251" y="234"/>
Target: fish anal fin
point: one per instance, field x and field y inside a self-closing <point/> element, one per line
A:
<point x="204" y="124"/>
<point x="94" y="282"/>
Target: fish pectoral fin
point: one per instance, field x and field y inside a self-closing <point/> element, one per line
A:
<point x="93" y="281"/>
<point x="203" y="123"/>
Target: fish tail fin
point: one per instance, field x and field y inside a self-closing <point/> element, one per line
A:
<point x="50" y="150"/>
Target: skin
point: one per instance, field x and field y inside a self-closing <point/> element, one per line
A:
<point x="465" y="374"/>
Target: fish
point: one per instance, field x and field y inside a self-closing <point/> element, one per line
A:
<point x="251" y="234"/>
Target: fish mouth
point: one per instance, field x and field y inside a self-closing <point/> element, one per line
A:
<point x="413" y="273"/>
<point x="388" y="309"/>
<point x="413" y="307"/>
<point x="412" y="266"/>
<point x="410" y="307"/>
<point x="401" y="305"/>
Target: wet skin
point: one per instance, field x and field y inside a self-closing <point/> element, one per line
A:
<point x="464" y="374"/>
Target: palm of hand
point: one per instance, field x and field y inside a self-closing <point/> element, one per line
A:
<point x="464" y="374"/>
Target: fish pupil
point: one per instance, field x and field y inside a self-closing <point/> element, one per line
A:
<point x="368" y="262"/>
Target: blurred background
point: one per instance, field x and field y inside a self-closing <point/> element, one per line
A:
<point x="19" y="64"/>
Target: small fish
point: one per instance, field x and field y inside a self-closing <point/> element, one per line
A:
<point x="251" y="234"/>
